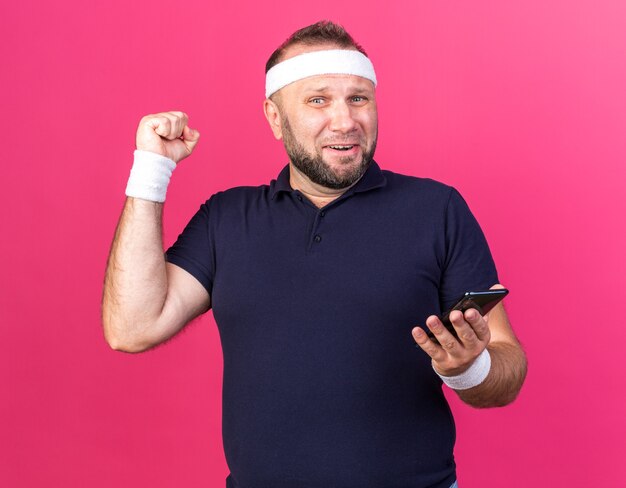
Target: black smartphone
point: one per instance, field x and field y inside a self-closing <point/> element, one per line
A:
<point x="483" y="301"/>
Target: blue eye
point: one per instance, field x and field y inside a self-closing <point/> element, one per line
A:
<point x="317" y="100"/>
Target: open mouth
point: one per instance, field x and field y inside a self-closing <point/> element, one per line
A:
<point x="342" y="147"/>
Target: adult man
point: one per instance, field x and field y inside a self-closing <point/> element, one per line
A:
<point x="316" y="282"/>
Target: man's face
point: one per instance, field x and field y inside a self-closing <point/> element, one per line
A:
<point x="329" y="125"/>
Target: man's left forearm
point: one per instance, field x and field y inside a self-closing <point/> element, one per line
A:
<point x="505" y="378"/>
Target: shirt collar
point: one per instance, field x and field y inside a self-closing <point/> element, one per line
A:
<point x="373" y="178"/>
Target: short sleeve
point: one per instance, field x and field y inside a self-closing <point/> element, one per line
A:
<point x="468" y="265"/>
<point x="194" y="250"/>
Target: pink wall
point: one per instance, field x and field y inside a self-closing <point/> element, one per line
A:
<point x="520" y="105"/>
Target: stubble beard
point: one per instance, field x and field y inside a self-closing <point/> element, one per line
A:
<point x="317" y="170"/>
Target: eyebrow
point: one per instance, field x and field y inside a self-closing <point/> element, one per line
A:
<point x="324" y="88"/>
<point x="318" y="89"/>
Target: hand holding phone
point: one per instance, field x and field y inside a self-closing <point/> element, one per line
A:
<point x="482" y="301"/>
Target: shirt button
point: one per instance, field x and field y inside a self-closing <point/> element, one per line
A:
<point x="299" y="197"/>
<point x="317" y="238"/>
<point x="322" y="213"/>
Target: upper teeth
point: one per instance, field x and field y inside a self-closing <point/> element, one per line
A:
<point x="341" y="147"/>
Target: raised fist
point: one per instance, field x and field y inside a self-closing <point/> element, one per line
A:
<point x="167" y="134"/>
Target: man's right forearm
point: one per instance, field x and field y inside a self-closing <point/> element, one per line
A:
<point x="135" y="286"/>
<point x="144" y="301"/>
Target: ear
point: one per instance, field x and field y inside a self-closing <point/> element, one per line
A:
<point x="272" y="114"/>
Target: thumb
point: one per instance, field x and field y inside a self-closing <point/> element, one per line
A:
<point x="190" y="138"/>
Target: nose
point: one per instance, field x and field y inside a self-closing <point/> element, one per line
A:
<point x="341" y="118"/>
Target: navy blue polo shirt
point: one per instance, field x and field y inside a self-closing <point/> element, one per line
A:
<point x="323" y="383"/>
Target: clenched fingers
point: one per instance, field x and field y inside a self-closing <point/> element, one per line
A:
<point x="168" y="125"/>
<point x="168" y="134"/>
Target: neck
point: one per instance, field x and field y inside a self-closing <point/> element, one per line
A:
<point x="318" y="194"/>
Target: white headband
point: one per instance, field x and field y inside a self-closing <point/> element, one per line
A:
<point x="334" y="61"/>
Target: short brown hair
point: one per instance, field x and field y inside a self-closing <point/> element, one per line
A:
<point x="322" y="32"/>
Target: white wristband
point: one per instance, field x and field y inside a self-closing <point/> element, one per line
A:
<point x="473" y="376"/>
<point x="149" y="176"/>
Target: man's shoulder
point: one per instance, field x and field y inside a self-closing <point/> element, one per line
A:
<point x="238" y="194"/>
<point x="417" y="185"/>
